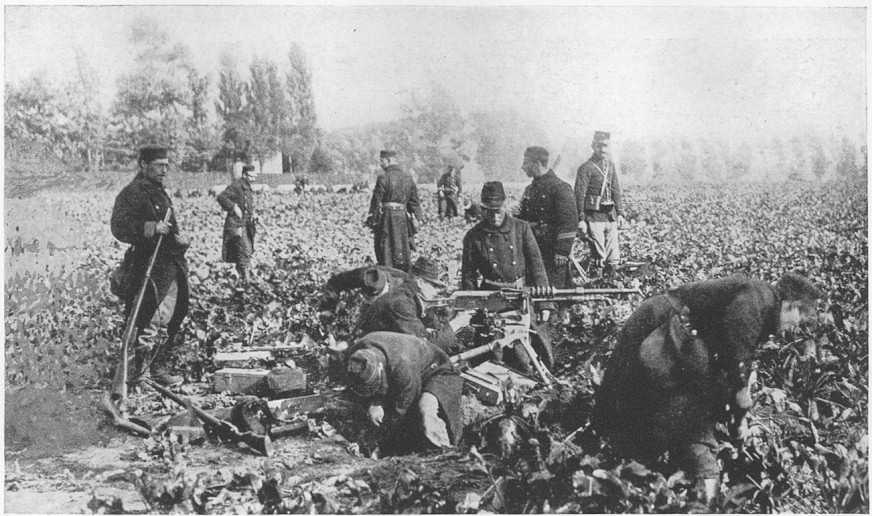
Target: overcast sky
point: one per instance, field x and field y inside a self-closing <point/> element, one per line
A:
<point x="632" y="70"/>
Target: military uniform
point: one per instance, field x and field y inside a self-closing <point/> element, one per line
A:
<point x="599" y="203"/>
<point x="652" y="400"/>
<point x="549" y="206"/>
<point x="238" y="241"/>
<point x="409" y="367"/>
<point x="165" y="304"/>
<point x="394" y="200"/>
<point x="449" y="189"/>
<point x="508" y="254"/>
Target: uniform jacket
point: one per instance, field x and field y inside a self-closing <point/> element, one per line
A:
<point x="589" y="184"/>
<point x="731" y="316"/>
<point x="549" y="206"/>
<point x="504" y="255"/>
<point x="414" y="366"/>
<point x="237" y="193"/>
<point x="450" y="186"/>
<point x="141" y="201"/>
<point x="395" y="186"/>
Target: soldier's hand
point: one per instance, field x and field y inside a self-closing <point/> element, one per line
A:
<point x="516" y="210"/>
<point x="560" y="260"/>
<point x="582" y="226"/>
<point x="183" y="241"/>
<point x="152" y="228"/>
<point x="621" y="221"/>
<point x="544" y="316"/>
<point x="376" y="414"/>
<point x="237" y="211"/>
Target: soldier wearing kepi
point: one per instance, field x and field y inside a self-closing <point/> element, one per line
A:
<point x="549" y="206"/>
<point x="138" y="219"/>
<point x="394" y="212"/>
<point x="600" y="205"/>
<point x="449" y="188"/>
<point x="410" y="389"/>
<point x="682" y="364"/>
<point x="239" y="224"/>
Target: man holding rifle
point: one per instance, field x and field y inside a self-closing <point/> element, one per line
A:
<point x="143" y="216"/>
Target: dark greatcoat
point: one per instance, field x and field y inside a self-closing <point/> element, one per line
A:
<point x="141" y="201"/>
<point x="644" y="412"/>
<point x="398" y="310"/>
<point x="589" y="184"/>
<point x="235" y="228"/>
<point x="391" y="226"/>
<point x="503" y="255"/>
<point x="548" y="205"/>
<point x="415" y="366"/>
<point x="450" y="187"/>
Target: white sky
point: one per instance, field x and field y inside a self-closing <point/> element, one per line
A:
<point x="634" y="70"/>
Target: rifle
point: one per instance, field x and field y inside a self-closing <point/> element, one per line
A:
<point x="223" y="429"/>
<point x="118" y="393"/>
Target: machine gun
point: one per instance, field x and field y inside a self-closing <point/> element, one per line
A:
<point x="504" y="316"/>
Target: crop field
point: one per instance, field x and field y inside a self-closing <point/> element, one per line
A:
<point x="807" y="449"/>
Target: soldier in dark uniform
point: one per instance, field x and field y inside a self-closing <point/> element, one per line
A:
<point x="239" y="225"/>
<point x="138" y="219"/>
<point x="682" y="364"/>
<point x="503" y="252"/>
<point x="549" y="206"/>
<point x="396" y="299"/>
<point x="394" y="212"/>
<point x="449" y="188"/>
<point x="600" y="205"/>
<point x="410" y="389"/>
<point x="500" y="248"/>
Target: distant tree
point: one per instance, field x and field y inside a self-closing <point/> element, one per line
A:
<point x="32" y="110"/>
<point x="798" y="165"/>
<point x="300" y="136"/>
<point x="231" y="107"/>
<point x="322" y="161"/>
<point x="846" y="168"/>
<point x="265" y="112"/>
<point x="818" y="158"/>
<point x="633" y="162"/>
<point x="162" y="99"/>
<point x="502" y="137"/>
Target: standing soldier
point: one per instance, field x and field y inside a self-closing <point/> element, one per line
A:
<point x="394" y="212"/>
<point x="449" y="188"/>
<point x="138" y="219"/>
<point x="598" y="198"/>
<point x="239" y="225"/>
<point x="549" y="206"/>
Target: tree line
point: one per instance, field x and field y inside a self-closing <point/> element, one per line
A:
<point x="268" y="108"/>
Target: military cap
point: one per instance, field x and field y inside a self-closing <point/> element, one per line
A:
<point x="388" y="154"/>
<point x="150" y="153"/>
<point x="427" y="269"/>
<point x="247" y="168"/>
<point x="795" y="287"/>
<point x="366" y="371"/>
<point x="539" y="154"/>
<point x="374" y="280"/>
<point x="493" y="196"/>
<point x="601" y="136"/>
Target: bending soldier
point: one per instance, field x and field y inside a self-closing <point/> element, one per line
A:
<point x="239" y="224"/>
<point x="138" y="219"/>
<point x="682" y="364"/>
<point x="410" y="390"/>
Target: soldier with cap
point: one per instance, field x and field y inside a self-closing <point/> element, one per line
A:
<point x="600" y="205"/>
<point x="410" y="389"/>
<point x="549" y="206"/>
<point x="449" y="188"/>
<point x="682" y="364"/>
<point x="138" y="219"/>
<point x="394" y="212"/>
<point x="395" y="301"/>
<point x="239" y="224"/>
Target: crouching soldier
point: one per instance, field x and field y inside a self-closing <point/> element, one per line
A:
<point x="410" y="389"/>
<point x="682" y="364"/>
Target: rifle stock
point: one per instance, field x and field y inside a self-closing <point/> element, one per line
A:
<point x="119" y="380"/>
<point x="225" y="429"/>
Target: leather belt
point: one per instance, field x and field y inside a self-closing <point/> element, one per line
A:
<point x="393" y="205"/>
